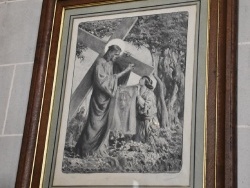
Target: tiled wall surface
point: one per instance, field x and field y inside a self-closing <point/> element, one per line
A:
<point x="244" y="95"/>
<point x="19" y="20"/>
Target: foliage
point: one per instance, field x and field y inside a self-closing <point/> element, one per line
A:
<point x="101" y="28"/>
<point x="79" y="49"/>
<point x="162" y="154"/>
<point x="160" y="31"/>
<point x="75" y="126"/>
<point x="153" y="31"/>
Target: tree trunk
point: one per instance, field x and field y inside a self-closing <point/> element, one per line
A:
<point x="162" y="111"/>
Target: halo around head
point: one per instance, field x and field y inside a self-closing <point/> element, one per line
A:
<point x="117" y="42"/>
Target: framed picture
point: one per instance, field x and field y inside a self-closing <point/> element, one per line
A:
<point x="132" y="93"/>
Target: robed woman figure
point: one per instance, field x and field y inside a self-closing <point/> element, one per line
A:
<point x="146" y="114"/>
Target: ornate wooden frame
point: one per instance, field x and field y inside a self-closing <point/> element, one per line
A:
<point x="221" y="132"/>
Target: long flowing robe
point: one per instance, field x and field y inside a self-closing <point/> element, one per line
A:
<point x="94" y="137"/>
<point x="146" y="116"/>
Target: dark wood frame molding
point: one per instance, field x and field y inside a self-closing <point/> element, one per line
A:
<point x="221" y="153"/>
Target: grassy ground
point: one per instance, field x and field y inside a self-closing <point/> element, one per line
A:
<point x="162" y="153"/>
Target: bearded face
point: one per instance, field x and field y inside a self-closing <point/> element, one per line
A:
<point x="114" y="55"/>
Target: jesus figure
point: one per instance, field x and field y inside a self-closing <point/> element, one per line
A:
<point x="94" y="136"/>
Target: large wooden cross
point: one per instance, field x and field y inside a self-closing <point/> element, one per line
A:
<point x="98" y="45"/>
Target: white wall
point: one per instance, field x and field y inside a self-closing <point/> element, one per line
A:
<point x="244" y="95"/>
<point x="19" y="20"/>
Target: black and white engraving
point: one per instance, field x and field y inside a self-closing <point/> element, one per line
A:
<point x="126" y="111"/>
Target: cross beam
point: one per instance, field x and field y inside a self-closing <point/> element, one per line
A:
<point x="93" y="42"/>
<point x="140" y="68"/>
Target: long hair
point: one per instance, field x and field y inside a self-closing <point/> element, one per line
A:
<point x="112" y="48"/>
<point x="148" y="82"/>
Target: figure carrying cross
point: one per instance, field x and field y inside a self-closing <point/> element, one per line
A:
<point x="94" y="137"/>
